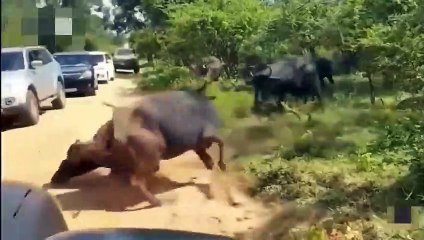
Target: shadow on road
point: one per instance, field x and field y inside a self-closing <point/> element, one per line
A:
<point x="97" y="192"/>
<point x="13" y="123"/>
<point x="126" y="75"/>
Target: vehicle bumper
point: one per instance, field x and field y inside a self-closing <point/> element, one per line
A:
<point x="12" y="110"/>
<point x="101" y="75"/>
<point x="125" y="65"/>
<point x="80" y="85"/>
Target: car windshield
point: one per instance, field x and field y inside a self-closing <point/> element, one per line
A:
<point x="125" y="51"/>
<point x="98" y="58"/>
<point x="73" y="59"/>
<point x="12" y="61"/>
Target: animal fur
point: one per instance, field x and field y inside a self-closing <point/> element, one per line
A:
<point x="153" y="129"/>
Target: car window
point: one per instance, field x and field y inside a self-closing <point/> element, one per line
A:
<point x="73" y="59"/>
<point x="12" y="61"/>
<point x="34" y="55"/>
<point x="97" y="58"/>
<point x="45" y="56"/>
<point x="124" y="51"/>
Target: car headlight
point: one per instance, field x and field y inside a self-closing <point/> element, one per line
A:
<point x="9" y="101"/>
<point x="86" y="74"/>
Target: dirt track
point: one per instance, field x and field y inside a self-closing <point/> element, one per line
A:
<point x="32" y="155"/>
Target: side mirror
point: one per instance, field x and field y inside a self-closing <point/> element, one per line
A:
<point x="36" y="63"/>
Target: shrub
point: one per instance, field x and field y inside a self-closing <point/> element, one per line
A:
<point x="163" y="76"/>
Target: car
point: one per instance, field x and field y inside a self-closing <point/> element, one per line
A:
<point x="104" y="69"/>
<point x="78" y="72"/>
<point x="126" y="59"/>
<point x="30" y="212"/>
<point x="30" y="76"/>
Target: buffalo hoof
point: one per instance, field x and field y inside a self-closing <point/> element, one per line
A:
<point x="222" y="166"/>
<point x="155" y="203"/>
<point x="58" y="181"/>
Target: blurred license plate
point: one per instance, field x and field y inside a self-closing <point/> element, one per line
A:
<point x="71" y="90"/>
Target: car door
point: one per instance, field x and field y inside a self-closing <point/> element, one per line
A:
<point x="38" y="73"/>
<point x="51" y="72"/>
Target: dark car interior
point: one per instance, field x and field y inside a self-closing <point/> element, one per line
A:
<point x="31" y="213"/>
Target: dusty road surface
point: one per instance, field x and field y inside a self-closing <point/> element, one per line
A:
<point x="33" y="154"/>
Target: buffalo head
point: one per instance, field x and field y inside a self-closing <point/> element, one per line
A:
<point x="79" y="160"/>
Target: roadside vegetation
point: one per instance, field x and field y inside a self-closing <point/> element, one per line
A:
<point x="361" y="154"/>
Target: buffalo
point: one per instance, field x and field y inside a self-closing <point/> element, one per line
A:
<point x="159" y="126"/>
<point x="324" y="69"/>
<point x="293" y="75"/>
<point x="211" y="67"/>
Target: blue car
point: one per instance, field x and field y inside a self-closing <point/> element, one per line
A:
<point x="78" y="72"/>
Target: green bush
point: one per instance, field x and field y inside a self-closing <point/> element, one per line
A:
<point x="232" y="106"/>
<point x="90" y="44"/>
<point x="163" y="76"/>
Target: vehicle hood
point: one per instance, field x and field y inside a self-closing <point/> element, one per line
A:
<point x="74" y="68"/>
<point x="15" y="84"/>
<point x="13" y="78"/>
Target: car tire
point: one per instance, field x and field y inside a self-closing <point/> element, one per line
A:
<point x="31" y="114"/>
<point x="136" y="70"/>
<point x="60" y="101"/>
<point x="91" y="91"/>
<point x="107" y="78"/>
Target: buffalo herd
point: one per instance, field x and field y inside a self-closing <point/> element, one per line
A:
<point x="299" y="76"/>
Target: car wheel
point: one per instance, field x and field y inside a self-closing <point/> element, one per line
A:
<point x="31" y="114"/>
<point x="60" y="101"/>
<point x="107" y="78"/>
<point x="136" y="70"/>
<point x="91" y="91"/>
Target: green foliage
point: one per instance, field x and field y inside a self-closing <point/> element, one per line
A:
<point x="231" y="106"/>
<point x="213" y="28"/>
<point x="146" y="43"/>
<point x="90" y="44"/>
<point x="164" y="76"/>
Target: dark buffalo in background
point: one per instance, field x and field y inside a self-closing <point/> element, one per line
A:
<point x="210" y="67"/>
<point x="324" y="68"/>
<point x="293" y="75"/>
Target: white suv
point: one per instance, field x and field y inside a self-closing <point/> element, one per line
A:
<point x="29" y="76"/>
<point x="104" y="70"/>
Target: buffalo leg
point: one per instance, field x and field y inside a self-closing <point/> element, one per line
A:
<point x="281" y="98"/>
<point x="217" y="140"/>
<point x="141" y="182"/>
<point x="120" y="176"/>
<point x="256" y="98"/>
<point x="205" y="157"/>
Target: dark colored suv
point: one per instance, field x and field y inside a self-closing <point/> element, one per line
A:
<point x="126" y="59"/>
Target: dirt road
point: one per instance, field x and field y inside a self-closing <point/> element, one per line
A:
<point x="33" y="154"/>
